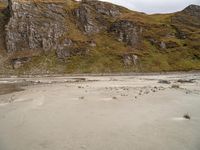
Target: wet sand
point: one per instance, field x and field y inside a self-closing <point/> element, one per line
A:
<point x="95" y="113"/>
<point x="9" y="88"/>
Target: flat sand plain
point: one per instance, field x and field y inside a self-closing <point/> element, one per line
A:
<point x="141" y="112"/>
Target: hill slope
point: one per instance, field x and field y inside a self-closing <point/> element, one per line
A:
<point x="43" y="36"/>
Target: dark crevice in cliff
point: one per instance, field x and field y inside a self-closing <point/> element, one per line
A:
<point x="4" y="19"/>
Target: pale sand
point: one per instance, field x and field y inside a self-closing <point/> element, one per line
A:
<point x="101" y="113"/>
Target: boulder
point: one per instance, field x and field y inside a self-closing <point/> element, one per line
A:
<point x="130" y="59"/>
<point x="19" y="62"/>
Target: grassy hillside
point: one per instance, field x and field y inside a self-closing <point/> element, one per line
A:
<point x="169" y="42"/>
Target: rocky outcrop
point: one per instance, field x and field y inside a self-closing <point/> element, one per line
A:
<point x="19" y="62"/>
<point x="192" y="10"/>
<point x="35" y="25"/>
<point x="92" y="35"/>
<point x="86" y="19"/>
<point x="163" y="44"/>
<point x="42" y="24"/>
<point x="130" y="59"/>
<point x="103" y="8"/>
<point x="128" y="32"/>
<point x="93" y="15"/>
<point x="190" y="16"/>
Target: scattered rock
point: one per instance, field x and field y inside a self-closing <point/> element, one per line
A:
<point x="163" y="45"/>
<point x="175" y="86"/>
<point x="82" y="97"/>
<point x="11" y="99"/>
<point x="124" y="94"/>
<point x="114" y="98"/>
<point x="92" y="43"/>
<point x="187" y="116"/>
<point x="186" y="81"/>
<point x="80" y="87"/>
<point x="164" y="82"/>
<point x="188" y="92"/>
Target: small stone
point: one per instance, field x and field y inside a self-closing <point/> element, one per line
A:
<point x="82" y="97"/>
<point x="164" y="82"/>
<point x="175" y="86"/>
<point x="187" y="116"/>
<point x="114" y="98"/>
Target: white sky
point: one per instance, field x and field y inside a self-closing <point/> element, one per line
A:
<point x="155" y="6"/>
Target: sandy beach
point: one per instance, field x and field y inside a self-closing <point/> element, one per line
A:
<point x="140" y="112"/>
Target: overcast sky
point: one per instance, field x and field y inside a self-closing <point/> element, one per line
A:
<point x="155" y="6"/>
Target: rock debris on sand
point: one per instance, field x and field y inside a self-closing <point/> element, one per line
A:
<point x="60" y="115"/>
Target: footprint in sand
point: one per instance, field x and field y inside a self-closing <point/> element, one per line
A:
<point x="39" y="101"/>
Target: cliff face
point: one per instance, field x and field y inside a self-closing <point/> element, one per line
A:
<point x="94" y="36"/>
<point x="128" y="32"/>
<point x="35" y="25"/>
<point x="93" y="16"/>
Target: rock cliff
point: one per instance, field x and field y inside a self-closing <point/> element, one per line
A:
<point x="35" y="25"/>
<point x="92" y="36"/>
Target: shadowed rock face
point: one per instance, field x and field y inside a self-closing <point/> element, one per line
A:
<point x="93" y="16"/>
<point x="35" y="25"/>
<point x="127" y="32"/>
<point x="41" y="25"/>
<point x="86" y="20"/>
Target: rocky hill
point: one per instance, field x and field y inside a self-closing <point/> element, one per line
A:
<point x="65" y="36"/>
